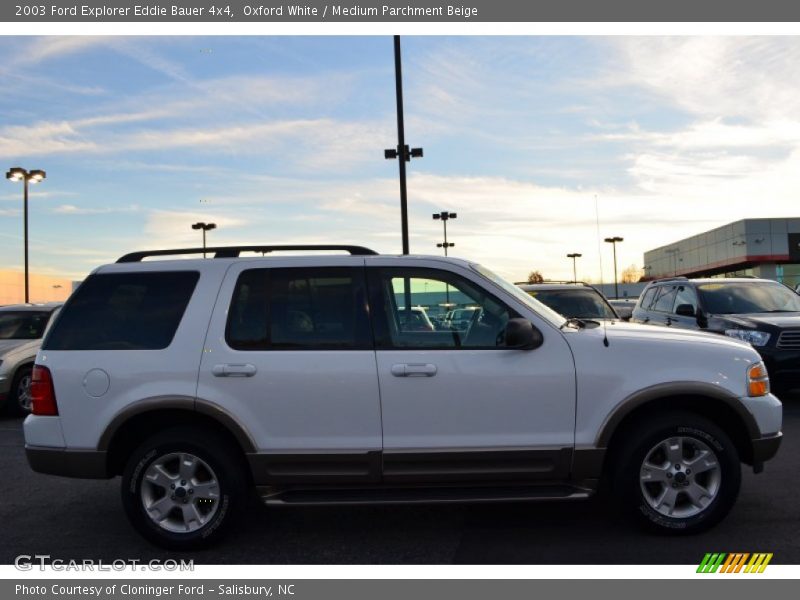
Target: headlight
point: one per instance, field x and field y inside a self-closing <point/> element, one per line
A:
<point x="757" y="380"/>
<point x="754" y="337"/>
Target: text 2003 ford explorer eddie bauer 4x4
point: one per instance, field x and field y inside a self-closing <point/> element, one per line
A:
<point x="197" y="379"/>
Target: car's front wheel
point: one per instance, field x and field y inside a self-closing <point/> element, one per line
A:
<point x="677" y="472"/>
<point x="183" y="487"/>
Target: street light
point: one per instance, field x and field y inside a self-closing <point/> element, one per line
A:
<point x="402" y="152"/>
<point x="26" y="177"/>
<point x="613" y="241"/>
<point x="444" y="216"/>
<point x="573" y="256"/>
<point x="204" y="227"/>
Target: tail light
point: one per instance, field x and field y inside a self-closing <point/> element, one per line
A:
<point x="43" y="395"/>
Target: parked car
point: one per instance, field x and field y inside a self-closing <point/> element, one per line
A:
<point x="195" y="380"/>
<point x="415" y="319"/>
<point x="460" y="319"/>
<point x="573" y="300"/>
<point x="624" y="307"/>
<point x="763" y="312"/>
<point x="21" y="330"/>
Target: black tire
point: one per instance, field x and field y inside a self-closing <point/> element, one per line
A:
<point x="14" y="406"/>
<point x="222" y="460"/>
<point x="635" y="497"/>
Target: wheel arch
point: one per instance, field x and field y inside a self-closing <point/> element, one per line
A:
<point x="709" y="401"/>
<point x="143" y="419"/>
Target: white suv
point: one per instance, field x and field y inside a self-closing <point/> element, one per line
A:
<point x="196" y="380"/>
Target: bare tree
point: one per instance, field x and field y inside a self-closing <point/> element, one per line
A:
<point x="632" y="274"/>
<point x="535" y="277"/>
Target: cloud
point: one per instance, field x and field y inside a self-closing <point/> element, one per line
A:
<point x="71" y="209"/>
<point x="42" y="49"/>
<point x="715" y="76"/>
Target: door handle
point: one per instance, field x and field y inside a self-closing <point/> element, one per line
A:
<point x="414" y="370"/>
<point x="229" y="370"/>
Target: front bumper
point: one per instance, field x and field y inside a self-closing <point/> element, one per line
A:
<point x="766" y="447"/>
<point x="83" y="464"/>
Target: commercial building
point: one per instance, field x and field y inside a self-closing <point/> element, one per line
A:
<point x="768" y="248"/>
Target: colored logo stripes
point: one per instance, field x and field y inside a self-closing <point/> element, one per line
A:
<point x="734" y="563"/>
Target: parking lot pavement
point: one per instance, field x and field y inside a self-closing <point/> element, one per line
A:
<point x="77" y="519"/>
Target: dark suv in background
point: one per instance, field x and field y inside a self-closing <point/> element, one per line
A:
<point x="763" y="312"/>
<point x="573" y="300"/>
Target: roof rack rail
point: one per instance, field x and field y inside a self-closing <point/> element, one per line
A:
<point x="546" y="281"/>
<point x="234" y="251"/>
<point x="676" y="278"/>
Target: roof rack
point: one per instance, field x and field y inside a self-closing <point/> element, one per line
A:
<point x="234" y="251"/>
<point x="559" y="281"/>
<point x="676" y="278"/>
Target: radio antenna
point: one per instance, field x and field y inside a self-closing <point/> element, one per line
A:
<point x="600" y="260"/>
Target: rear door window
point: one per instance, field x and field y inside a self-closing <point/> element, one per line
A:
<point x="123" y="311"/>
<point x="321" y="308"/>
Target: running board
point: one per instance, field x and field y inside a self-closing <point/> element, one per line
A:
<point x="432" y="495"/>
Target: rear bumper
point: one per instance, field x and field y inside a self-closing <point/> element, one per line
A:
<point x="83" y="464"/>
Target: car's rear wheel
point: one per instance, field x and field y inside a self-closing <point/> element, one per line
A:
<point x="678" y="473"/>
<point x="183" y="487"/>
<point x="19" y="401"/>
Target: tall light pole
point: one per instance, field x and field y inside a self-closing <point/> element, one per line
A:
<point x="573" y="256"/>
<point x="402" y="152"/>
<point x="204" y="227"/>
<point x="444" y="216"/>
<point x="613" y="241"/>
<point x="26" y="177"/>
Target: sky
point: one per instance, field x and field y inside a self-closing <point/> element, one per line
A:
<point x="543" y="146"/>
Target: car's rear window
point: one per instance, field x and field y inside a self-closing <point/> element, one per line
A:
<point x="123" y="311"/>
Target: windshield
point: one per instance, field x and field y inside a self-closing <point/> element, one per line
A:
<point x="22" y="325"/>
<point x="579" y="303"/>
<point x="541" y="309"/>
<point x="744" y="297"/>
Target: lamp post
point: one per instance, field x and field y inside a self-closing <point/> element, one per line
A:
<point x="573" y="256"/>
<point x="444" y="216"/>
<point x="204" y="227"/>
<point x="613" y="241"/>
<point x="26" y="177"/>
<point x="402" y="152"/>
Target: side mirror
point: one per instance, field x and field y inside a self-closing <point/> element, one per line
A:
<point x="522" y="335"/>
<point x="685" y="310"/>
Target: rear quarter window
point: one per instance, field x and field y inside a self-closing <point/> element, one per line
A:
<point x="123" y="311"/>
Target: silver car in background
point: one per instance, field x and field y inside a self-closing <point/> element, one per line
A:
<point x="22" y="327"/>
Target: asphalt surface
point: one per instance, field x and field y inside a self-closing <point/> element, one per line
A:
<point x="76" y="519"/>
